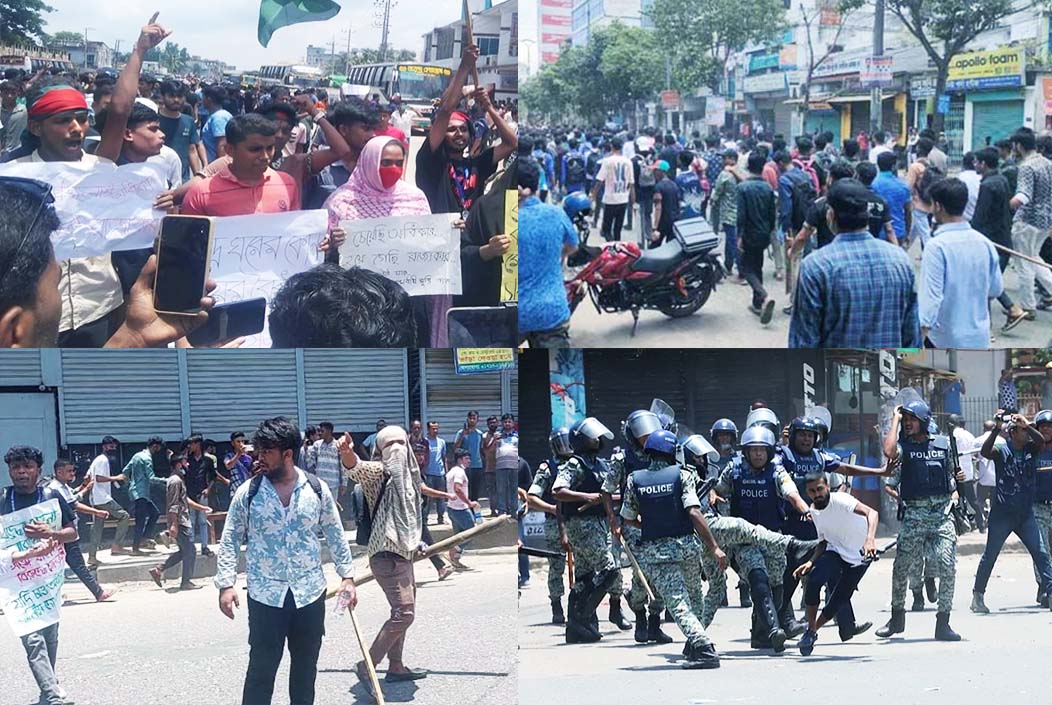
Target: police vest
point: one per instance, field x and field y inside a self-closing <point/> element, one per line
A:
<point x="755" y="496"/>
<point x="591" y="482"/>
<point x="925" y="468"/>
<point x="659" y="494"/>
<point x="1043" y="481"/>
<point x="800" y="466"/>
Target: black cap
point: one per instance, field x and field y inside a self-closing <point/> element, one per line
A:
<point x="848" y="197"/>
<point x="461" y="453"/>
<point x="109" y="439"/>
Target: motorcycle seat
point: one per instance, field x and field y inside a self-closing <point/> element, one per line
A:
<point x="660" y="259"/>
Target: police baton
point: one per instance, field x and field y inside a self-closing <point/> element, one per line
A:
<point x="540" y="552"/>
<point x="639" y="571"/>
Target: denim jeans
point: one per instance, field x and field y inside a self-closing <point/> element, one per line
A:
<point x="462" y="520"/>
<point x="524" y="560"/>
<point x="435" y="482"/>
<point x="199" y="521"/>
<point x="646" y="217"/>
<point x="730" y="249"/>
<point x="504" y="501"/>
<point x="41" y="651"/>
<point x="186" y="554"/>
<point x="145" y="519"/>
<point x="1018" y="520"/>
<point x="75" y="561"/>
<point x="832" y="569"/>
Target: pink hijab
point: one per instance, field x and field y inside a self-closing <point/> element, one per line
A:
<point x="364" y="195"/>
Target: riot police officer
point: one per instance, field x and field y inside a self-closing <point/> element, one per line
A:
<point x="577" y="489"/>
<point x="636" y="429"/>
<point x="724" y="437"/>
<point x="925" y="486"/>
<point x="540" y="497"/>
<point x="1043" y="491"/>
<point x="662" y="502"/>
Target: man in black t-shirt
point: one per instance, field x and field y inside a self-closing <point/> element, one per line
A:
<point x="879" y="212"/>
<point x="666" y="204"/>
<point x="200" y="473"/>
<point x="23" y="464"/>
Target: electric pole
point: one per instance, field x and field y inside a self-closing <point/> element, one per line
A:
<point x="386" y="30"/>
<point x="876" y="103"/>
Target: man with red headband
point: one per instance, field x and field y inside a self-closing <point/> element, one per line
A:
<point x="58" y="122"/>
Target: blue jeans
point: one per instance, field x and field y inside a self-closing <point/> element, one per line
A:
<point x="504" y="502"/>
<point x="462" y="520"/>
<point x="833" y="570"/>
<point x="145" y="519"/>
<point x="435" y="482"/>
<point x="730" y="250"/>
<point x="199" y="520"/>
<point x="1005" y="520"/>
<point x="524" y="560"/>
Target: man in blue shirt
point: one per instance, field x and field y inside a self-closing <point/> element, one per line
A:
<point x="547" y="235"/>
<point x="213" y="134"/>
<point x="959" y="275"/>
<point x="470" y="439"/>
<point x="856" y="292"/>
<point x="897" y="195"/>
<point x="547" y="163"/>
<point x="435" y="473"/>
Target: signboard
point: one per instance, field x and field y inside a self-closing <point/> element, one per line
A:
<point x="943" y="106"/>
<point x="787" y="57"/>
<point x="715" y="110"/>
<point x="766" y="83"/>
<point x="922" y="87"/>
<point x="30" y="591"/>
<point x="1046" y="89"/>
<point x="876" y="72"/>
<point x="473" y="361"/>
<point x="761" y="62"/>
<point x="840" y="65"/>
<point x="1000" y="68"/>
<point x="670" y="99"/>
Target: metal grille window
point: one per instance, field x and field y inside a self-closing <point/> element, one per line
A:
<point x="953" y="126"/>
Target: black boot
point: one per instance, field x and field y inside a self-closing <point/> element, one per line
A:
<point x="641" y="627"/>
<point x="786" y="618"/>
<point x="759" y="637"/>
<point x="701" y="656"/>
<point x="931" y="589"/>
<point x="668" y="616"/>
<point x="895" y="625"/>
<point x="766" y="628"/>
<point x="918" y="601"/>
<point x="557" y="612"/>
<point x="654" y="632"/>
<point x="943" y="632"/>
<point x="743" y="594"/>
<point x="617" y="618"/>
<point x="849" y="632"/>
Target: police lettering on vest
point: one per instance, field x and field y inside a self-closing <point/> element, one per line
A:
<point x="925" y="468"/>
<point x="755" y="496"/>
<point x="659" y="494"/>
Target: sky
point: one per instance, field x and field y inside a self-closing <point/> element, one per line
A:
<point x="226" y="29"/>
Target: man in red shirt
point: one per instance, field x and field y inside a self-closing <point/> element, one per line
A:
<point x="386" y="129"/>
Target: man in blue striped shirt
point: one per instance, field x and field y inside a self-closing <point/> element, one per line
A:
<point x="856" y="292"/>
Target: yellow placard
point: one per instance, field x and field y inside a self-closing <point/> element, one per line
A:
<point x="509" y="279"/>
<point x="1008" y="61"/>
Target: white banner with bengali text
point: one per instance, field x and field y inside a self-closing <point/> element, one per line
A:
<point x="31" y="590"/>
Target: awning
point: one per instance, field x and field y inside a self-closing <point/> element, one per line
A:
<point x="816" y="104"/>
<point x="855" y="98"/>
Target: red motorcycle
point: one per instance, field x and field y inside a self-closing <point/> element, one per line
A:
<point x="675" y="278"/>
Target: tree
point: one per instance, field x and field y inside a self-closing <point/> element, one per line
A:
<point x="703" y="34"/>
<point x="809" y="16"/>
<point x="66" y="38"/>
<point x="21" y="21"/>
<point x="945" y="27"/>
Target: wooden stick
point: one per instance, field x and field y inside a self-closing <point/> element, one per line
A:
<point x="569" y="566"/>
<point x="639" y="571"/>
<point x="377" y="693"/>
<point x="1028" y="258"/>
<point x="471" y="40"/>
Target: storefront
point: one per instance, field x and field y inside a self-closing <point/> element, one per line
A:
<point x="823" y="117"/>
<point x="992" y="85"/>
<point x="766" y="96"/>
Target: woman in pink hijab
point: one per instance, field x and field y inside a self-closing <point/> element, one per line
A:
<point x="376" y="189"/>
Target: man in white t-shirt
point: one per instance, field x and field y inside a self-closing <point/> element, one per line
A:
<point x="102" y="498"/>
<point x="965" y="442"/>
<point x="615" y="178"/>
<point x="461" y="509"/>
<point x="847" y="530"/>
<point x="987" y="479"/>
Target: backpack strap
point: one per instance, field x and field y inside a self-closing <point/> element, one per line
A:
<point x="253" y="490"/>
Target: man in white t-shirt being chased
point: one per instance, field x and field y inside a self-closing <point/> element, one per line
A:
<point x="461" y="510"/>
<point x="847" y="531"/>
<point x="615" y="179"/>
<point x="102" y="498"/>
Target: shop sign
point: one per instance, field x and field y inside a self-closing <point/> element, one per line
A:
<point x="1000" y="68"/>
<point x="766" y="83"/>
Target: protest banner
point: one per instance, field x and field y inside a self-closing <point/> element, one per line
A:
<point x="509" y="275"/>
<point x="419" y="252"/>
<point x="253" y="256"/>
<point x="471" y="361"/>
<point x="102" y="208"/>
<point x="30" y="590"/>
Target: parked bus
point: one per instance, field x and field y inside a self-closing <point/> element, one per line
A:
<point x="291" y="75"/>
<point x="419" y="85"/>
<point x="32" y="60"/>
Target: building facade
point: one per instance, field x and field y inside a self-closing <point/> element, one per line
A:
<point x="496" y="32"/>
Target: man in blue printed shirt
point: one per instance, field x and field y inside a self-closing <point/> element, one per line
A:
<point x="856" y="292"/>
<point x="286" y="582"/>
<point x="238" y="463"/>
<point x="470" y="439"/>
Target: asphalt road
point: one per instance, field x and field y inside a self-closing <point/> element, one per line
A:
<point x="999" y="660"/>
<point x="725" y="322"/>
<point x="153" y="648"/>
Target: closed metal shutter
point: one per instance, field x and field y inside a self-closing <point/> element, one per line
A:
<point x="20" y="368"/>
<point x="233" y="390"/>
<point x="353" y="388"/>
<point x="535" y="410"/>
<point x="448" y="397"/>
<point x="995" y="120"/>
<point x="621" y="381"/>
<point x="513" y="390"/>
<point x="132" y="394"/>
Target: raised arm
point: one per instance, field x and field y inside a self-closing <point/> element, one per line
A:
<point x="509" y="140"/>
<point x="891" y="440"/>
<point x="451" y="98"/>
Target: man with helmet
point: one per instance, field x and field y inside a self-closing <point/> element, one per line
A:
<point x="662" y="502"/>
<point x="577" y="487"/>
<point x="1012" y="508"/>
<point x="540" y="497"/>
<point x="724" y="436"/>
<point x="756" y="484"/>
<point x="636" y="429"/>
<point x="1043" y="490"/>
<point x="926" y="483"/>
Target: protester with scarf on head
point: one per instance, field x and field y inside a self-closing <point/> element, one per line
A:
<point x="392" y="486"/>
<point x="376" y="189"/>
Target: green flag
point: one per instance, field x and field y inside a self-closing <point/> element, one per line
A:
<point x="275" y="14"/>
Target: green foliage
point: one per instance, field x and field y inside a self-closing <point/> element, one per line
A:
<point x="955" y="22"/>
<point x="21" y="22"/>
<point x="67" y="38"/>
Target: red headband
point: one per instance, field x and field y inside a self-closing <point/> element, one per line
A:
<point x="58" y="100"/>
<point x="460" y="116"/>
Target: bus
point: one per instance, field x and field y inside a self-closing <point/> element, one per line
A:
<point x="291" y="75"/>
<point x="32" y="60"/>
<point x="419" y="85"/>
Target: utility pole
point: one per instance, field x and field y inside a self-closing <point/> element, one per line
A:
<point x="876" y="103"/>
<point x="347" y="56"/>
<point x="386" y="30"/>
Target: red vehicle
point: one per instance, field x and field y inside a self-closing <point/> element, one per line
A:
<point x="676" y="278"/>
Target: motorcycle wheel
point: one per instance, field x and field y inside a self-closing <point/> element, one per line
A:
<point x="678" y="307"/>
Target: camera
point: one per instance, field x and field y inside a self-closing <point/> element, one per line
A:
<point x="1006" y="417"/>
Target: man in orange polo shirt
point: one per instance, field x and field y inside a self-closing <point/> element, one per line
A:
<point x="249" y="184"/>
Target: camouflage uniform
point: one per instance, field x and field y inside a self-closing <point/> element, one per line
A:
<point x="923" y="567"/>
<point x="542" y="482"/>
<point x="589" y="535"/>
<point x="673" y="565"/>
<point x="1043" y="516"/>
<point x="637" y="594"/>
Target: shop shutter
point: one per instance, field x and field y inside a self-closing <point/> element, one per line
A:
<point x="233" y="390"/>
<point x="449" y="396"/>
<point x="513" y="390"/>
<point x="621" y="381"/>
<point x="535" y="408"/>
<point x="131" y="394"/>
<point x="354" y="388"/>
<point x="824" y="121"/>
<point x="996" y="120"/>
<point x="20" y="368"/>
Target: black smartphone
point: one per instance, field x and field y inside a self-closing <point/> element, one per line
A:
<point x="230" y="321"/>
<point x="483" y="327"/>
<point x="184" y="254"/>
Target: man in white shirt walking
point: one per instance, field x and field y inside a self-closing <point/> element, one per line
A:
<point x="615" y="178"/>
<point x="986" y="480"/>
<point x="102" y="498"/>
<point x="966" y="442"/>
<point x="847" y="530"/>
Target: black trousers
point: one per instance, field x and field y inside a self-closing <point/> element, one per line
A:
<point x="425" y="536"/>
<point x="75" y="561"/>
<point x="474" y="483"/>
<point x="268" y="629"/>
<point x="186" y="554"/>
<point x="145" y="519"/>
<point x="751" y="267"/>
<point x="831" y="568"/>
<point x="613" y="221"/>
